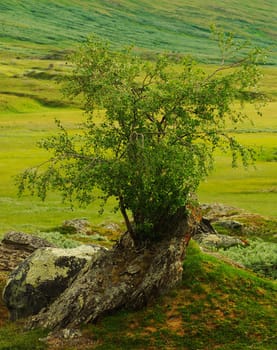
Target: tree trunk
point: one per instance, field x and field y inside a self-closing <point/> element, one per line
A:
<point x="127" y="276"/>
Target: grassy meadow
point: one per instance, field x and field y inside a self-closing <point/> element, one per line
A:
<point x="28" y="108"/>
<point x="254" y="188"/>
<point x="30" y="100"/>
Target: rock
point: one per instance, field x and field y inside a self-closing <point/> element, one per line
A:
<point x="69" y="333"/>
<point x="205" y="226"/>
<point x="81" y="226"/>
<point x="230" y="224"/>
<point x="208" y="237"/>
<point x="43" y="276"/>
<point x="17" y="246"/>
<point x="216" y="240"/>
<point x="216" y="211"/>
<point x="128" y="276"/>
<point x="23" y="241"/>
<point x="112" y="227"/>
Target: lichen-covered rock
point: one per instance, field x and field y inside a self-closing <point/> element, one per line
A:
<point x="43" y="276"/>
<point x="17" y="246"/>
<point x="230" y="224"/>
<point x="129" y="275"/>
<point x="215" y="240"/>
<point x="218" y="211"/>
<point x="81" y="226"/>
<point x="24" y="241"/>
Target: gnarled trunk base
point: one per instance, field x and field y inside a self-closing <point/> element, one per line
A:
<point x="127" y="276"/>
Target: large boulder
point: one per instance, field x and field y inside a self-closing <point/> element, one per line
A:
<point x="43" y="276"/>
<point x="17" y="246"/>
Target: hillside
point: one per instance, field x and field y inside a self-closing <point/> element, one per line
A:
<point x="216" y="306"/>
<point x="180" y="26"/>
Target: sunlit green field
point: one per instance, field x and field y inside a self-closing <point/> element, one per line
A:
<point x="30" y="100"/>
<point x="254" y="188"/>
<point x="28" y="108"/>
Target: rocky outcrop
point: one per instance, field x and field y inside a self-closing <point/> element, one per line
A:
<point x="43" y="276"/>
<point x="218" y="211"/>
<point x="208" y="237"/>
<point x="81" y="226"/>
<point x="215" y="240"/>
<point x="129" y="275"/>
<point x="17" y="246"/>
<point x="221" y="216"/>
<point x="230" y="224"/>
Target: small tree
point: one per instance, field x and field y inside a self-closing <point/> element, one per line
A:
<point x="150" y="132"/>
<point x="148" y="140"/>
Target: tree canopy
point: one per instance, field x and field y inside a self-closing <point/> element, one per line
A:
<point x="150" y="131"/>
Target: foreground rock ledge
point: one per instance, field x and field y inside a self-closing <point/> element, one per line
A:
<point x="43" y="276"/>
<point x="17" y="246"/>
<point x="127" y="276"/>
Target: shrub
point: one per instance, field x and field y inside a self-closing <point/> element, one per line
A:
<point x="58" y="239"/>
<point x="259" y="256"/>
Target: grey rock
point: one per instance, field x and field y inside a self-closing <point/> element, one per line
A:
<point x="112" y="227"/>
<point x="217" y="241"/>
<point x="43" y="276"/>
<point x="23" y="241"/>
<point x="230" y="224"/>
<point x="216" y="211"/>
<point x="81" y="226"/>
<point x="69" y="333"/>
<point x="17" y="246"/>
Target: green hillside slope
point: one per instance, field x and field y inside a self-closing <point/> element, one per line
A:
<point x="176" y="25"/>
<point x="216" y="306"/>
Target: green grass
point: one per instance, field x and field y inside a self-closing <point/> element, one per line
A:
<point x="15" y="339"/>
<point x="216" y="306"/>
<point x="28" y="106"/>
<point x="254" y="188"/>
<point x="178" y="26"/>
<point x="19" y="134"/>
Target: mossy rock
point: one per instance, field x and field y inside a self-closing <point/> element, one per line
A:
<point x="43" y="276"/>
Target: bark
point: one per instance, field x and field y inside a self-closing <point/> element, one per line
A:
<point x="127" y="276"/>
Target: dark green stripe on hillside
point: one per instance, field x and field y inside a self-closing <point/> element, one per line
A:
<point x="178" y="26"/>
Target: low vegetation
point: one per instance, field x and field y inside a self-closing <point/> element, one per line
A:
<point x="259" y="256"/>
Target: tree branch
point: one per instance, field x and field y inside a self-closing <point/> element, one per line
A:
<point x="229" y="66"/>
